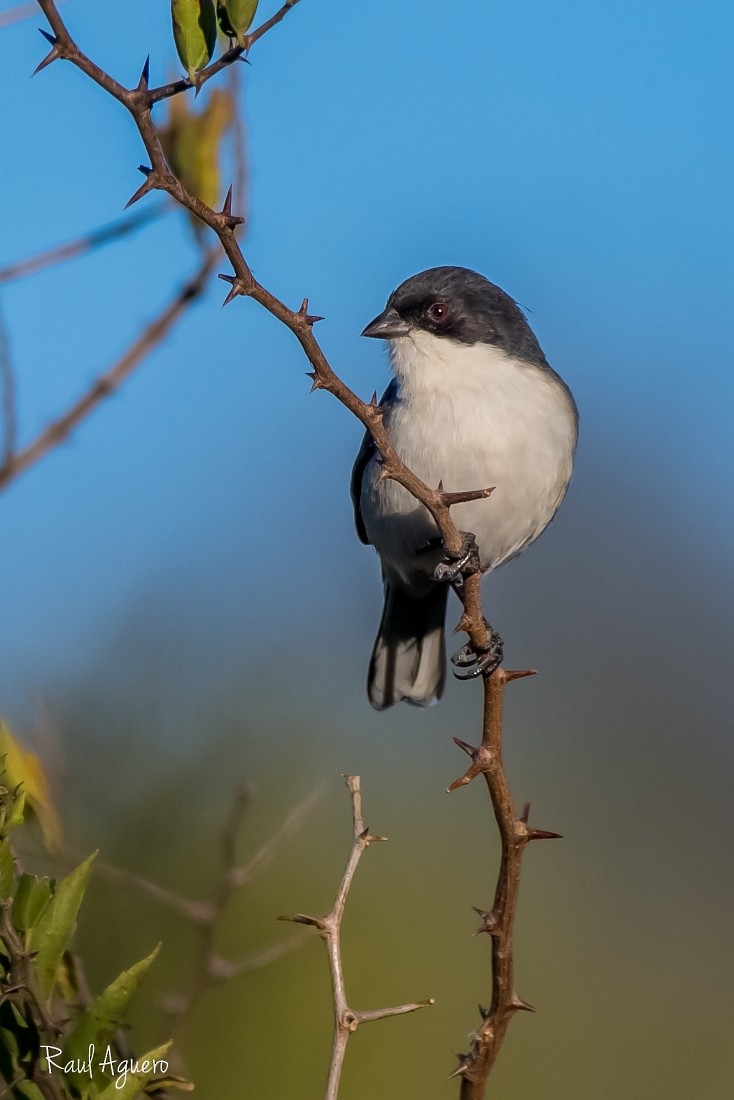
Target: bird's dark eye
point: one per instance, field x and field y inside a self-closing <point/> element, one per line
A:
<point x="439" y="313"/>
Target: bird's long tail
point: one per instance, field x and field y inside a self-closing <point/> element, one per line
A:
<point x="409" y="661"/>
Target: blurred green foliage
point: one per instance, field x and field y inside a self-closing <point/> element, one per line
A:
<point x="55" y="1041"/>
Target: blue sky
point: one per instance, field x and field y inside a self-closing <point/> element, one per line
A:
<point x="580" y="156"/>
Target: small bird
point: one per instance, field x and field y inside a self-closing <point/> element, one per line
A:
<point x="473" y="403"/>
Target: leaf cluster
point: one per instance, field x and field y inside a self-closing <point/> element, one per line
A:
<point x="56" y="1040"/>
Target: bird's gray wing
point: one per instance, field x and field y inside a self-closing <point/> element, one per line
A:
<point x="366" y="451"/>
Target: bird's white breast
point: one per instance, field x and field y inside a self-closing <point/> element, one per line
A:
<point x="470" y="416"/>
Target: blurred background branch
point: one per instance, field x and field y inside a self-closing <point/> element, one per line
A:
<point x="16" y="462"/>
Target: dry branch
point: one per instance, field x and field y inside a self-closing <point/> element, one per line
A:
<point x="346" y="1019"/>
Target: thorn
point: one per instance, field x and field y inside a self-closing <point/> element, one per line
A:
<point x="235" y="288"/>
<point x="54" y="55"/>
<point x="463" y="624"/>
<point x="463" y="1066"/>
<point x="373" y="400"/>
<point x="543" y="834"/>
<point x="518" y="673"/>
<point x="50" y="57"/>
<point x="303" y="918"/>
<point x="485" y="1013"/>
<point x="316" y="384"/>
<point x="150" y="183"/>
<point x="525" y="815"/>
<point x="517" y="1004"/>
<point x="470" y="750"/>
<point x="145" y="76"/>
<point x="309" y="318"/>
<point x="488" y="918"/>
<point x="230" y="219"/>
<point x="440" y="486"/>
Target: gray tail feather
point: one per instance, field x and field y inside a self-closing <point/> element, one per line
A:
<point x="409" y="661"/>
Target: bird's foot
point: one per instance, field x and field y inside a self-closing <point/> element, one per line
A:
<point x="459" y="564"/>
<point x="472" y="661"/>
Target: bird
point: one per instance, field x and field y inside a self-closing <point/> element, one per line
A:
<point x="473" y="403"/>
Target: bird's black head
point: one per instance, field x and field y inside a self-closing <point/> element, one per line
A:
<point x="461" y="305"/>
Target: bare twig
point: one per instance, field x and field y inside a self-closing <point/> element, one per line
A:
<point x="7" y="392"/>
<point x="111" y="380"/>
<point x="346" y="1019"/>
<point x="59" y="253"/>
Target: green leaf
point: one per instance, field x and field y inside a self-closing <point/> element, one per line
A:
<point x="194" y="32"/>
<point x="32" y="897"/>
<point x="104" y="1015"/>
<point x="51" y="935"/>
<point x="131" y="1078"/>
<point x="7" y="870"/>
<point x="235" y="17"/>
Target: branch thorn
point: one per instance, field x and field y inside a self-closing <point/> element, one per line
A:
<point x="543" y="834"/>
<point x="145" y="76"/>
<point x="150" y="183"/>
<point x="517" y="1004"/>
<point x="488" y="918"/>
<point x="50" y="57"/>
<point x="309" y="318"/>
<point x="470" y="750"/>
<point x="303" y="918"/>
<point x="511" y="674"/>
<point x="235" y="288"/>
<point x="463" y="1066"/>
<point x="316" y="383"/>
<point x="231" y="220"/>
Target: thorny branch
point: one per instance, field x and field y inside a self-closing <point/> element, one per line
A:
<point x="346" y="1019"/>
<point x="474" y="1067"/>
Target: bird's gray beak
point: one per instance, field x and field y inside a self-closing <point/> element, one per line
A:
<point x="388" y="326"/>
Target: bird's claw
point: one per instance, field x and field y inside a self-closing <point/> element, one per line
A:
<point x="459" y="564"/>
<point x="471" y="661"/>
